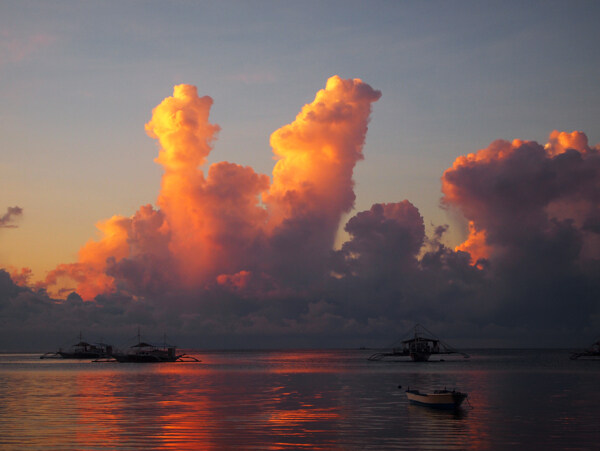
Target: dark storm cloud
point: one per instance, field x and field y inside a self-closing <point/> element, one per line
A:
<point x="32" y="320"/>
<point x="536" y="207"/>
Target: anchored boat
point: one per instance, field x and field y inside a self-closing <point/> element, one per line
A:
<point x="439" y="399"/>
<point x="81" y="350"/>
<point x="143" y="352"/>
<point x="421" y="345"/>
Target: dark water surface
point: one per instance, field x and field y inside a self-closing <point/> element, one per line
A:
<point x="521" y="399"/>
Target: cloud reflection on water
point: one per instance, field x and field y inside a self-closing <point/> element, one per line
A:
<point x="294" y="400"/>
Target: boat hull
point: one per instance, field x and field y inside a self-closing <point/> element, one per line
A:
<point x="442" y="399"/>
<point x="420" y="356"/>
<point x="81" y="355"/>
<point x="143" y="358"/>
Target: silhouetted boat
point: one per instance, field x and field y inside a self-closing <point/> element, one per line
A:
<point x="81" y="350"/>
<point x="592" y="351"/>
<point x="143" y="352"/>
<point x="439" y="399"/>
<point x="419" y="347"/>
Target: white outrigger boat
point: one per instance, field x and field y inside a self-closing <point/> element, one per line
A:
<point x="439" y="399"/>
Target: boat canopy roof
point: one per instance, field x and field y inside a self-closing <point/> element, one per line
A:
<point x="421" y="339"/>
<point x="143" y="345"/>
<point x="82" y="343"/>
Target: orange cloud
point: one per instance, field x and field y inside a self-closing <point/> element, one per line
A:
<point x="210" y="218"/>
<point x="89" y="272"/>
<point x="180" y="124"/>
<point x="20" y="276"/>
<point x="511" y="189"/>
<point x="236" y="281"/>
<point x="475" y="244"/>
<point x="230" y="224"/>
<point x="560" y="142"/>
<point x="318" y="151"/>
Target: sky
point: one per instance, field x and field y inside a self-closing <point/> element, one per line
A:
<point x="300" y="173"/>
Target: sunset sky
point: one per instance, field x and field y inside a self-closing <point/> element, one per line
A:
<point x="326" y="172"/>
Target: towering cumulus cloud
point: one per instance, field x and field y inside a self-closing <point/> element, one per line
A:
<point x="520" y="194"/>
<point x="213" y="220"/>
<point x="312" y="180"/>
<point x="230" y="226"/>
<point x="534" y="215"/>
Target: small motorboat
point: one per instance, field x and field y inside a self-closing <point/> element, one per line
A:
<point x="439" y="399"/>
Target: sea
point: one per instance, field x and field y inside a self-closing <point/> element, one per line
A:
<point x="300" y="399"/>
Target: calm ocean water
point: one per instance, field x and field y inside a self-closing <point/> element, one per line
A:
<point x="519" y="399"/>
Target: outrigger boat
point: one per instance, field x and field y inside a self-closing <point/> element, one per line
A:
<point x="81" y="350"/>
<point x="592" y="351"/>
<point x="419" y="347"/>
<point x="144" y="352"/>
<point x="439" y="399"/>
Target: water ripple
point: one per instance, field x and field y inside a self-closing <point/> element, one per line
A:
<point x="294" y="400"/>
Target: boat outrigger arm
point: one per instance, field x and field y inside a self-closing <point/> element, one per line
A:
<point x="419" y="347"/>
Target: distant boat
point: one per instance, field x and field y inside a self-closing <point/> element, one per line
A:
<point x="143" y="352"/>
<point x="419" y="347"/>
<point x="81" y="350"/>
<point x="592" y="351"/>
<point x="439" y="399"/>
